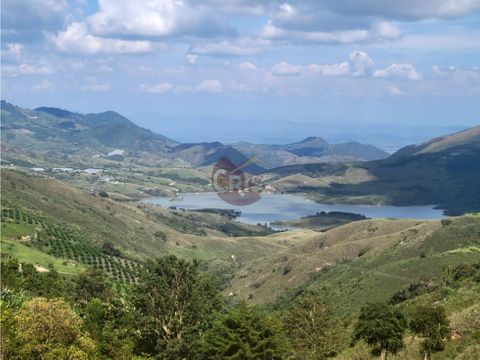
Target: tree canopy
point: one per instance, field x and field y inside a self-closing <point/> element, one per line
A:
<point x="175" y="303"/>
<point x="244" y="333"/>
<point x="431" y="323"/>
<point x="382" y="327"/>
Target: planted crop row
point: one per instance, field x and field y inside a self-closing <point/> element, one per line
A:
<point x="63" y="242"/>
<point x="19" y="216"/>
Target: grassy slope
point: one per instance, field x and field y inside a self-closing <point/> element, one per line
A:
<point x="33" y="256"/>
<point x="129" y="226"/>
<point x="361" y="261"/>
<point x="461" y="301"/>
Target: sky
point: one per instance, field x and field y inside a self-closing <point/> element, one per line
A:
<point x="260" y="71"/>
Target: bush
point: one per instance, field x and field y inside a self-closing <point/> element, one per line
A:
<point x="49" y="329"/>
<point x="244" y="332"/>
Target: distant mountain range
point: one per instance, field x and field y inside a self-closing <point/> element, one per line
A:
<point x="60" y="137"/>
<point x="310" y="150"/>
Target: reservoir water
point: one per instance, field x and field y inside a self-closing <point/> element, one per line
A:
<point x="281" y="207"/>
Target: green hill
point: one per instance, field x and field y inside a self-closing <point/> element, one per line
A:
<point x="138" y="230"/>
<point x="364" y="259"/>
<point x="60" y="137"/>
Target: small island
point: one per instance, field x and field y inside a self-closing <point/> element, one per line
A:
<point x="321" y="221"/>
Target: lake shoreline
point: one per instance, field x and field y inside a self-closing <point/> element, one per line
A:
<point x="278" y="207"/>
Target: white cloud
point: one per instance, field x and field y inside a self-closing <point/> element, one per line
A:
<point x="286" y="69"/>
<point x="360" y="63"/>
<point x="25" y="20"/>
<point x="377" y="32"/>
<point x="405" y="9"/>
<point x="241" y="7"/>
<point x="398" y="71"/>
<point x="234" y="47"/>
<point x="15" y="48"/>
<point x="191" y="58"/>
<point x="248" y="66"/>
<point x="210" y="86"/>
<point x="157" y="88"/>
<point x="342" y="69"/>
<point x="468" y="77"/>
<point x="386" y="30"/>
<point x="96" y="87"/>
<point x="155" y="18"/>
<point x="466" y="41"/>
<point x="394" y="90"/>
<point x="44" y="85"/>
<point x="76" y="39"/>
<point x="27" y="69"/>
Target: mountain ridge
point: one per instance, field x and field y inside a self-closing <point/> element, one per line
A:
<point x="92" y="134"/>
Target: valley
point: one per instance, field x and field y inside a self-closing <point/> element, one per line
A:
<point x="348" y="229"/>
<point x="240" y="180"/>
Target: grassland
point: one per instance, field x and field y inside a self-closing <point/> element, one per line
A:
<point x="30" y="255"/>
<point x="360" y="261"/>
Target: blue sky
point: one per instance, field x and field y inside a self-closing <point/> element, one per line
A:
<point x="190" y="68"/>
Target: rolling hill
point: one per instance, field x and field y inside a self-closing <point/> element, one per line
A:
<point x="138" y="230"/>
<point x="362" y="260"/>
<point x="205" y="154"/>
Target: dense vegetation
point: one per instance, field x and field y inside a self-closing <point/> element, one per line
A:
<point x="176" y="311"/>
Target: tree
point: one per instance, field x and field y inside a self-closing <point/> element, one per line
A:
<point x="49" y="329"/>
<point x="244" y="333"/>
<point x="175" y="304"/>
<point x="312" y="330"/>
<point x="381" y="326"/>
<point x="46" y="284"/>
<point x="109" y="326"/>
<point x="10" y="274"/>
<point x="89" y="285"/>
<point x="432" y="325"/>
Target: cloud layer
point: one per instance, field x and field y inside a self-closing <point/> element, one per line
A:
<point x="266" y="55"/>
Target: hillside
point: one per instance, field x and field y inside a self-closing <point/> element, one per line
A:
<point x="53" y="225"/>
<point x="442" y="172"/>
<point x="458" y="292"/>
<point x="138" y="230"/>
<point x="205" y="154"/>
<point x="466" y="138"/>
<point x="360" y="261"/>
<point x="59" y="137"/>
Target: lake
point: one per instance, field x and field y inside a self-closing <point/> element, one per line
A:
<point x="281" y="207"/>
